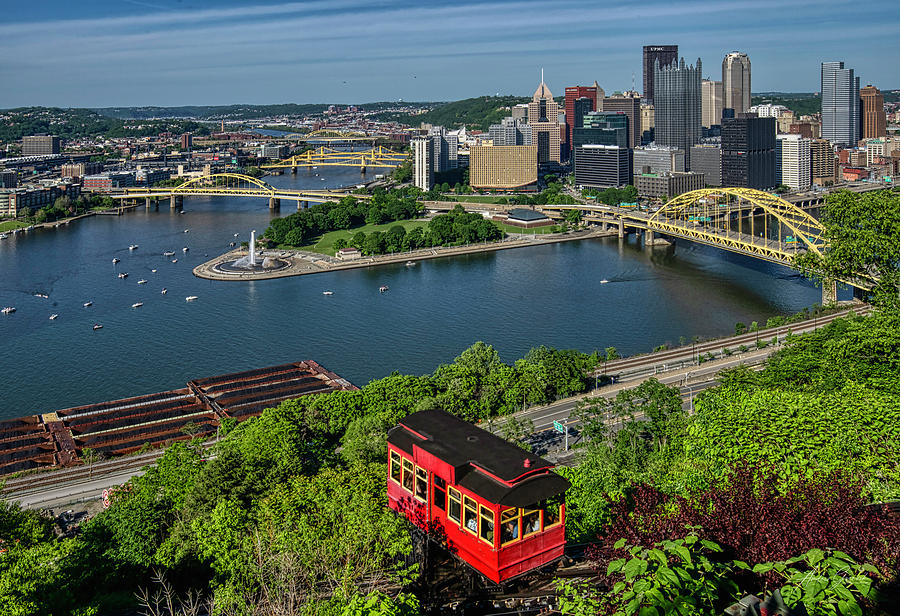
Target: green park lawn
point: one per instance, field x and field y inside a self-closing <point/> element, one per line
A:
<point x="325" y="244"/>
<point x="9" y="225"/>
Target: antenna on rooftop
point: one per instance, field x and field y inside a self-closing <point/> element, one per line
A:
<point x="632" y="81"/>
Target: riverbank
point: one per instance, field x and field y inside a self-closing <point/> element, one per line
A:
<point x="303" y="262"/>
<point x="116" y="211"/>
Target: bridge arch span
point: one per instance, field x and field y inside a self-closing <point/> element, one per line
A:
<point x="705" y="206"/>
<point x="225" y="180"/>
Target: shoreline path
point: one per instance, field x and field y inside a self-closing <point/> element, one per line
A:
<point x="303" y="262"/>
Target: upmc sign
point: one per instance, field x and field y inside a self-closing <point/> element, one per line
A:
<point x="657" y="49"/>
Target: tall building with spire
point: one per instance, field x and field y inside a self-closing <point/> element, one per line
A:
<point x="736" y="82"/>
<point x="543" y="117"/>
<point x="840" y="104"/>
<point x="678" y="106"/>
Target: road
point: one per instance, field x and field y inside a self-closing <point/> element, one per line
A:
<point x="680" y="366"/>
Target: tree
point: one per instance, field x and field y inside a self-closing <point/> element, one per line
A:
<point x="518" y="431"/>
<point x="573" y="217"/>
<point x="863" y="243"/>
<point x="340" y="243"/>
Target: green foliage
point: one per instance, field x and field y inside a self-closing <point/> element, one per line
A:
<point x="613" y="196"/>
<point x="379" y="604"/>
<point x="854" y="428"/>
<point x="21" y="527"/>
<point x="627" y="439"/>
<point x="801" y="103"/>
<point x="479" y="112"/>
<point x="75" y="123"/>
<point x="677" y="576"/>
<point x="825" y="582"/>
<point x="863" y="236"/>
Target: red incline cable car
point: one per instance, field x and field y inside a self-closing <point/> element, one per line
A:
<point x="500" y="507"/>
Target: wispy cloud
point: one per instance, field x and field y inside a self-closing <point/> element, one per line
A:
<point x="300" y="50"/>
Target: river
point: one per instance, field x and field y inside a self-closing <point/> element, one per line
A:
<point x="514" y="299"/>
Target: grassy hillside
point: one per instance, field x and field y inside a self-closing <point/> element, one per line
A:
<point x="801" y="103"/>
<point x="234" y="112"/>
<point x="74" y="123"/>
<point x="478" y="113"/>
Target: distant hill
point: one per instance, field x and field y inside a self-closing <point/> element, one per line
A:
<point x="477" y="113"/>
<point x="801" y="103"/>
<point x="234" y="112"/>
<point x="74" y="123"/>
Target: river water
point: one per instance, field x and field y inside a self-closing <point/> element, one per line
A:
<point x="512" y="299"/>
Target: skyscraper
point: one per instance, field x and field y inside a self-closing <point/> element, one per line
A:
<point x="423" y="173"/>
<point x="711" y="96"/>
<point x="510" y="131"/>
<point x="665" y="54"/>
<point x="840" y="104"/>
<point x="792" y="161"/>
<point x="736" y="82"/>
<point x="543" y="117"/>
<point x="601" y="128"/>
<point x="874" y="119"/>
<point x="748" y="152"/>
<point x="631" y="107"/>
<point x="677" y="106"/>
<point x="574" y="93"/>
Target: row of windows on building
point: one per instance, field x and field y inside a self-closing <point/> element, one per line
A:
<point x="470" y="515"/>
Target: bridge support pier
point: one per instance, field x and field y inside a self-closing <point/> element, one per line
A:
<point x="274" y="204"/>
<point x="829" y="292"/>
<point x="302" y="205"/>
<point x="147" y="201"/>
<point x="293" y="169"/>
<point x="176" y="202"/>
<point x="621" y="228"/>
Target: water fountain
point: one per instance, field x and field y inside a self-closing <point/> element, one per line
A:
<point x="251" y="263"/>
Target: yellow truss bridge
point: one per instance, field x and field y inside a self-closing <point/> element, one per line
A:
<point x="234" y="185"/>
<point x="327" y="157"/>
<point x="742" y="220"/>
<point x="331" y="136"/>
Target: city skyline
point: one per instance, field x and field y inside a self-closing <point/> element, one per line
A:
<point x="159" y="52"/>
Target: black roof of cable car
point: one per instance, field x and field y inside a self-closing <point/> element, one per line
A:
<point x="463" y="445"/>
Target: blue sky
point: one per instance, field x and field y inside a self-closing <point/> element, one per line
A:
<point x="93" y="53"/>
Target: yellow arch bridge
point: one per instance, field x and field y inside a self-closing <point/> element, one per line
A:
<point x="331" y="136"/>
<point x="327" y="157"/>
<point x="741" y="220"/>
<point x="233" y="185"/>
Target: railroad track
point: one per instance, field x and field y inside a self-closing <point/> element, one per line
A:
<point x="29" y="482"/>
<point x="687" y="354"/>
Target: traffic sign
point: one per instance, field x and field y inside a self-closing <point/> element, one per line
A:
<point x="559" y="427"/>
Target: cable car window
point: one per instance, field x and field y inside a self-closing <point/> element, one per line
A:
<point x="421" y="484"/>
<point x="486" y="530"/>
<point x="470" y="515"/>
<point x="552" y="509"/>
<point x="509" y="526"/>
<point x="455" y="511"/>
<point x="531" y="522"/>
<point x="396" y="468"/>
<point x="408" y="475"/>
<point x="440" y="493"/>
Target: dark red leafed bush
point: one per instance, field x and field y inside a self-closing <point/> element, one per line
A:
<point x="756" y="522"/>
